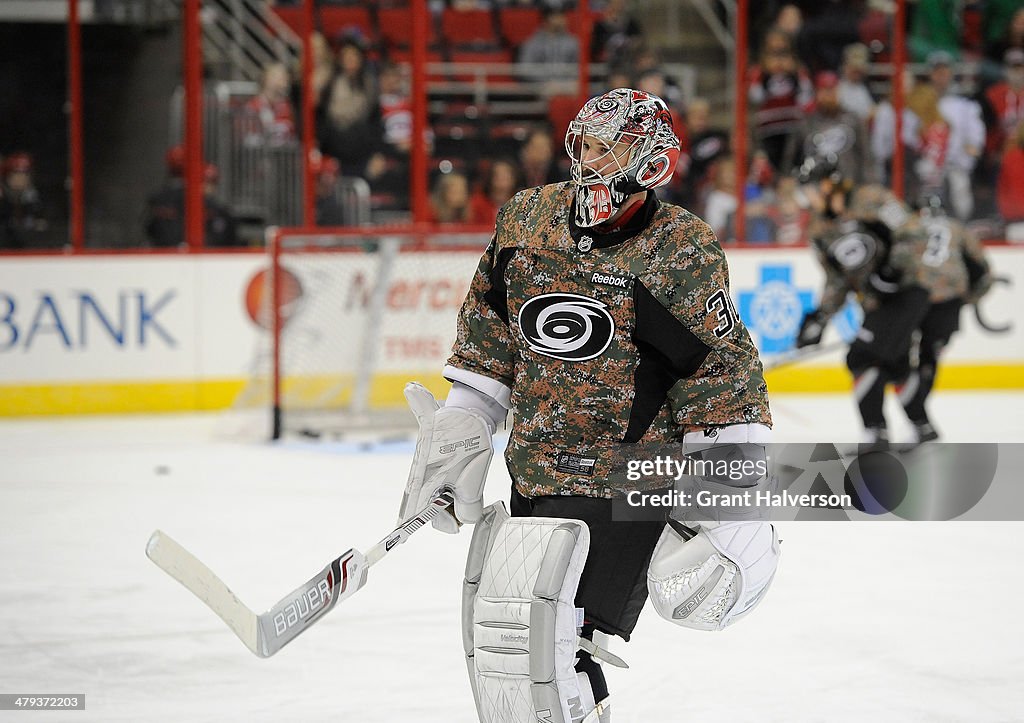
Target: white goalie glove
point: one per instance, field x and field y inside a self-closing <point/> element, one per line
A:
<point x="707" y="574"/>
<point x="708" y="578"/>
<point x="453" y="450"/>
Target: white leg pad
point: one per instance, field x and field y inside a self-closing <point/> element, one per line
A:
<point x="520" y="629"/>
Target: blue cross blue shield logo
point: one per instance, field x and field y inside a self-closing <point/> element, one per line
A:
<point x="774" y="309"/>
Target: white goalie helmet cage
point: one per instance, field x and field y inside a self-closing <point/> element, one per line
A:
<point x="638" y="148"/>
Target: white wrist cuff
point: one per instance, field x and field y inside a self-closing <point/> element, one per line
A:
<point x="487" y="386"/>
<point x="464" y="397"/>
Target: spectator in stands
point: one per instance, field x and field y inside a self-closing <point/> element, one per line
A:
<point x="773" y="15"/>
<point x="329" y="211"/>
<point x="537" y="160"/>
<point x="823" y="36"/>
<point x="449" y="201"/>
<point x="1003" y="106"/>
<point x="720" y="205"/>
<point x="759" y="191"/>
<point x="854" y="95"/>
<point x="789" y="215"/>
<point x="388" y="170"/>
<point x="270" y="118"/>
<point x="500" y="184"/>
<point x="618" y="79"/>
<point x="779" y="90"/>
<point x="614" y="33"/>
<point x="967" y="133"/>
<point x="350" y="129"/>
<point x="883" y="131"/>
<point x="395" y="108"/>
<point x="831" y="132"/>
<point x="644" y="61"/>
<point x="1010" y="192"/>
<point x="655" y="82"/>
<point x="702" y="145"/>
<point x="927" y="134"/>
<point x="1003" y="21"/>
<point x="935" y="27"/>
<point x="165" y="209"/>
<point x="22" y="217"/>
<point x="551" y="45"/>
<point x="790" y="21"/>
<point x="220" y="225"/>
<point x="875" y="27"/>
<point x="324" y="69"/>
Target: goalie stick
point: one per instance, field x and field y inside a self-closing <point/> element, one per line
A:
<point x="266" y="634"/>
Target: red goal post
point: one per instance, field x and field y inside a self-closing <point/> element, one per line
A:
<point x="354" y="314"/>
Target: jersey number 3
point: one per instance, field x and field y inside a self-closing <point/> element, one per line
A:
<point x="720" y="304"/>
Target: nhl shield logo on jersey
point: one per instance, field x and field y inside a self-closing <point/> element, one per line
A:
<point x="566" y="326"/>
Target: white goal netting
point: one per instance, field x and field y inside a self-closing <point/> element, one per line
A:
<point x="360" y="315"/>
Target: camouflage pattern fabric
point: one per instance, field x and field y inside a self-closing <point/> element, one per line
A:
<point x="929" y="252"/>
<point x="871" y="209"/>
<point x="557" y="326"/>
<point x="947" y="243"/>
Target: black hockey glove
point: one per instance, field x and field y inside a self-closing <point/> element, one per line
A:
<point x="811" y="329"/>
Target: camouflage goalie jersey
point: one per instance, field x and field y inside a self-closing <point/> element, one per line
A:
<point x="604" y="339"/>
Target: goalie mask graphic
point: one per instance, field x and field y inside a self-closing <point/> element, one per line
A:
<point x="620" y="143"/>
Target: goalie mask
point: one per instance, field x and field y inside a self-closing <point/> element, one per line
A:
<point x="620" y="143"/>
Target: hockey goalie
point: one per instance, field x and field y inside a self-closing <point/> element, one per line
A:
<point x="601" y="317"/>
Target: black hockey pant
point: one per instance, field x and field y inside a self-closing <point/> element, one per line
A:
<point x="939" y="324"/>
<point x="881" y="352"/>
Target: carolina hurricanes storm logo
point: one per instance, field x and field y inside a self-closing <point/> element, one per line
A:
<point x="566" y="326"/>
<point x="658" y="170"/>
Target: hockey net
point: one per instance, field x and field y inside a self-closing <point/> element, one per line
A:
<point x="349" y="318"/>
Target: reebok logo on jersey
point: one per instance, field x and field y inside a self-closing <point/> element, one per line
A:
<point x="620" y="281"/>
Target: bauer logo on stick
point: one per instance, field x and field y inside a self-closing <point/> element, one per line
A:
<point x="305" y="604"/>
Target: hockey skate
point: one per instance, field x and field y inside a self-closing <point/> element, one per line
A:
<point x="925" y="432"/>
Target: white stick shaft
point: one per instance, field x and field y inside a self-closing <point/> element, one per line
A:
<point x="265" y="634"/>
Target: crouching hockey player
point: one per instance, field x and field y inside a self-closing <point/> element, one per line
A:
<point x="601" y="317"/>
<point x="910" y="274"/>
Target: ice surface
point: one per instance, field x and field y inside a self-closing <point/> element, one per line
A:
<point x="868" y="621"/>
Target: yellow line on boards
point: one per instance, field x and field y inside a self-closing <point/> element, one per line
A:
<point x="951" y="377"/>
<point x="385" y="390"/>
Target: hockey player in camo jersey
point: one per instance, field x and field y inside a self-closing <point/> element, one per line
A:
<point x="909" y="273"/>
<point x="957" y="272"/>
<point x="601" y="317"/>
